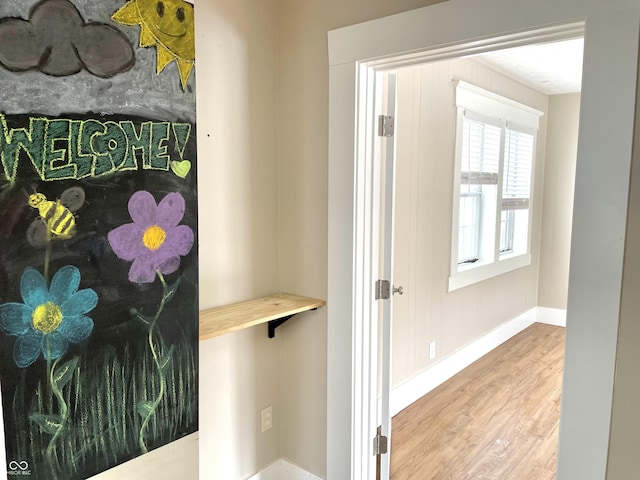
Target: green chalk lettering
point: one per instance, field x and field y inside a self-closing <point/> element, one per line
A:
<point x="74" y="149"/>
<point x="13" y="141"/>
<point x="138" y="142"/>
<point x="92" y="130"/>
<point x="82" y="159"/>
<point x="181" y="132"/>
<point x="159" y="136"/>
<point x="114" y="145"/>
<point x="56" y="160"/>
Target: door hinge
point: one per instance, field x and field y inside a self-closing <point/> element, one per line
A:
<point x="379" y="444"/>
<point x="383" y="290"/>
<point x="386" y="126"/>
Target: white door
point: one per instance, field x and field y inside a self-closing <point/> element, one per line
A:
<point x="386" y="288"/>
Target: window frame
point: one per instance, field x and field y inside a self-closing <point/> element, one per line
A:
<point x="488" y="107"/>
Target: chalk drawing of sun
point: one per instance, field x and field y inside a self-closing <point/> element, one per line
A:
<point x="167" y="25"/>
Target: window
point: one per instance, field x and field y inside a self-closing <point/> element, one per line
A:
<point x="495" y="147"/>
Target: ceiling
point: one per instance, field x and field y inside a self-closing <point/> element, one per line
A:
<point x="552" y="68"/>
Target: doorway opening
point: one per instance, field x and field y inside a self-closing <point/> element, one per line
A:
<point x="437" y="330"/>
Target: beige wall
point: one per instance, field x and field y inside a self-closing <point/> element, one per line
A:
<point x="560" y="174"/>
<point x="422" y="251"/>
<point x="238" y="200"/>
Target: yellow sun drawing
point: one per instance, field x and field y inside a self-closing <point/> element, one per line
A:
<point x="167" y="25"/>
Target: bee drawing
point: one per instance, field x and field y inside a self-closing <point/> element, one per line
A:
<point x="55" y="218"/>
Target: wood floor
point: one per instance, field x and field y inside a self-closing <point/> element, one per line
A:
<point x="497" y="419"/>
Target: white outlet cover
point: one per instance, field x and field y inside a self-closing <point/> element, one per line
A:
<point x="267" y="418"/>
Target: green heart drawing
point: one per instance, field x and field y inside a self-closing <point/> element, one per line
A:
<point x="182" y="168"/>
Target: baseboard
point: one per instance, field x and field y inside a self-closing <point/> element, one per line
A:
<point x="418" y="386"/>
<point x="283" y="470"/>
<point x="551" y="316"/>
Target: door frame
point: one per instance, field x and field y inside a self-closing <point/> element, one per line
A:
<point x="455" y="28"/>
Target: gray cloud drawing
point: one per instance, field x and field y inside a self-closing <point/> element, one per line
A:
<point x="57" y="41"/>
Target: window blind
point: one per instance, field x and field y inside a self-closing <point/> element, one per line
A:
<point x="516" y="180"/>
<point x="480" y="160"/>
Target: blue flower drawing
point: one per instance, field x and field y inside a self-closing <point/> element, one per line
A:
<point x="51" y="318"/>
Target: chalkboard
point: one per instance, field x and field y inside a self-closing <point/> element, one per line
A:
<point x="98" y="232"/>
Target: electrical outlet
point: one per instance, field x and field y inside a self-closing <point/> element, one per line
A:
<point x="432" y="350"/>
<point x="267" y="418"/>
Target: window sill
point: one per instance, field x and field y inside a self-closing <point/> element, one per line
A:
<point x="480" y="273"/>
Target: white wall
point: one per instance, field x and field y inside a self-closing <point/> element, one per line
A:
<point x="422" y="251"/>
<point x="560" y="174"/>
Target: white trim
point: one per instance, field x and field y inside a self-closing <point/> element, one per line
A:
<point x="479" y="273"/>
<point x="352" y="269"/>
<point x="422" y="27"/>
<point x="281" y="469"/>
<point x="424" y="382"/>
<point x="552" y="316"/>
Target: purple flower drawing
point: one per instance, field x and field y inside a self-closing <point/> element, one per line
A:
<point x="154" y="241"/>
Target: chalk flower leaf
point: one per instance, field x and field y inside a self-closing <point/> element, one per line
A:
<point x="155" y="240"/>
<point x="51" y="318"/>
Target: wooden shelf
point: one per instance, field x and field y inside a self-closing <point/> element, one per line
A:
<point x="273" y="308"/>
